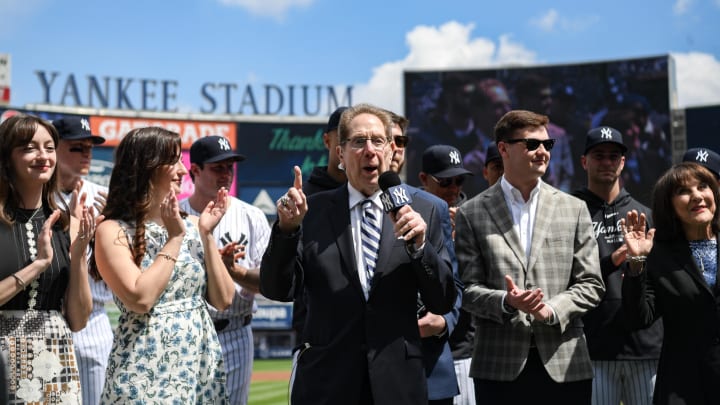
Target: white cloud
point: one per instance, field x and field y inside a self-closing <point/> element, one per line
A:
<point x="681" y="6"/>
<point x="446" y="47"/>
<point x="546" y="22"/>
<point x="268" y="8"/>
<point x="698" y="79"/>
<point x="552" y="21"/>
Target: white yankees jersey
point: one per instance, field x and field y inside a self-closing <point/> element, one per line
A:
<point x="94" y="342"/>
<point x="247" y="225"/>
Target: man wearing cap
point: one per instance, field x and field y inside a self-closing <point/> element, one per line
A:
<point x="624" y="361"/>
<point x="242" y="232"/>
<point x="328" y="177"/>
<point x="443" y="175"/>
<point x="706" y="157"/>
<point x="493" y="169"/>
<point x="93" y="343"/>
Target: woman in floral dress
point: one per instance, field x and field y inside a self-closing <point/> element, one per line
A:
<point x="162" y="267"/>
<point x="44" y="290"/>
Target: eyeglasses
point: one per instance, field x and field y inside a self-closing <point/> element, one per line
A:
<point x="401" y="141"/>
<point x="378" y="142"/>
<point x="448" y="181"/>
<point x="532" y="144"/>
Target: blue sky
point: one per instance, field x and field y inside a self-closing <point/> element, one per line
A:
<point x="366" y="44"/>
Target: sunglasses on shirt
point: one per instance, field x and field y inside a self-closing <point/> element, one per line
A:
<point x="448" y="181"/>
<point x="532" y="144"/>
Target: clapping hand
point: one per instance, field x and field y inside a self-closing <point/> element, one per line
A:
<point x="214" y="211"/>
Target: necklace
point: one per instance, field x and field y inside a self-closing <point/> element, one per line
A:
<point x="30" y="234"/>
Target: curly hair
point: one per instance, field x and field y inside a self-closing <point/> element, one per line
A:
<point x="18" y="131"/>
<point x="137" y="160"/>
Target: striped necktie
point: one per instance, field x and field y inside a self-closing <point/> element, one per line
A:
<point x="370" y="230"/>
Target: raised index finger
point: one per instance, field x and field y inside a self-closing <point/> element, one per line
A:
<point x="298" y="178"/>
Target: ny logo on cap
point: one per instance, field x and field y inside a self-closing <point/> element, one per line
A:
<point x="702" y="156"/>
<point x="85" y="124"/>
<point x="454" y="157"/>
<point x="606" y="133"/>
<point x="224" y="144"/>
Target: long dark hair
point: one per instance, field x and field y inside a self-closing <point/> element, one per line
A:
<point x="18" y="131"/>
<point x="137" y="159"/>
<point x="667" y="224"/>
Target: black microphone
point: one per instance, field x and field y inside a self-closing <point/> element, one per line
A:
<point x="395" y="195"/>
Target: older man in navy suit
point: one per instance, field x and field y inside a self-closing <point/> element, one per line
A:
<point x="362" y="343"/>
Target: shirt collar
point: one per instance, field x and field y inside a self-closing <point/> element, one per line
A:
<point x="356" y="197"/>
<point x="513" y="194"/>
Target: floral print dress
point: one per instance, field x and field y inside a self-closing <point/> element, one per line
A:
<point x="170" y="355"/>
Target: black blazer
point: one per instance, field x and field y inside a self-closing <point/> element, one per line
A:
<point x="673" y="287"/>
<point x="357" y="348"/>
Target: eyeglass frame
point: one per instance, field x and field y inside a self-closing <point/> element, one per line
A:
<point x="404" y="141"/>
<point x="532" y="144"/>
<point x="356" y="145"/>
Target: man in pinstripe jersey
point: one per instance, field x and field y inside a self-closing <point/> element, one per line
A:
<point x="242" y="232"/>
<point x="93" y="343"/>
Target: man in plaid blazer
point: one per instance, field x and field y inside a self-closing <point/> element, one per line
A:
<point x="529" y="261"/>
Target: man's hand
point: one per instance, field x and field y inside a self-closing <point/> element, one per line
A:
<point x="431" y="325"/>
<point x="528" y="301"/>
<point x="292" y="206"/>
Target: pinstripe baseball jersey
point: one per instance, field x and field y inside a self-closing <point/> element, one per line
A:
<point x="247" y="225"/>
<point x="93" y="343"/>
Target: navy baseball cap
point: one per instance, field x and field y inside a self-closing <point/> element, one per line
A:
<point x="211" y="149"/>
<point x="443" y="161"/>
<point x="334" y="120"/>
<point x="75" y="128"/>
<point x="705" y="157"/>
<point x="601" y="135"/>
<point x="492" y="153"/>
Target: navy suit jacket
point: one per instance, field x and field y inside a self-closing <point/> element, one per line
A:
<point x="354" y="345"/>
<point x="437" y="355"/>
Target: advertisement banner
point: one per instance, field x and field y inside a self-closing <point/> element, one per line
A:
<point x="4" y="79"/>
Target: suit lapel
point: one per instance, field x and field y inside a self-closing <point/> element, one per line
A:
<point x="499" y="212"/>
<point x="543" y="222"/>
<point x="340" y="223"/>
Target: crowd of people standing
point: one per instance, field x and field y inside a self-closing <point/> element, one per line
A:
<point x="402" y="295"/>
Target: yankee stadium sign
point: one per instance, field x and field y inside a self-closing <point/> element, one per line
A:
<point x="157" y="95"/>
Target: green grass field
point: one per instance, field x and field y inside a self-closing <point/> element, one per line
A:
<point x="270" y="392"/>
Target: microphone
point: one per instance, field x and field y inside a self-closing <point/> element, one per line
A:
<point x="395" y="195"/>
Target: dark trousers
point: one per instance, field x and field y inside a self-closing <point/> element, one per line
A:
<point x="446" y="401"/>
<point x="532" y="385"/>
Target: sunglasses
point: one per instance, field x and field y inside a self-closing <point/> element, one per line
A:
<point x="532" y="144"/>
<point x="401" y="141"/>
<point x="448" y="181"/>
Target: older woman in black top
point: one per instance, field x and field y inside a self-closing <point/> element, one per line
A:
<point x="44" y="290"/>
<point x="675" y="276"/>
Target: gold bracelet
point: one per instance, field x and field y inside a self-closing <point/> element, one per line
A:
<point x="19" y="280"/>
<point x="168" y="257"/>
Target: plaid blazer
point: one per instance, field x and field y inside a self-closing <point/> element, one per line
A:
<point x="563" y="262"/>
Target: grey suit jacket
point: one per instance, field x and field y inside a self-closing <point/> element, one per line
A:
<point x="563" y="262"/>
